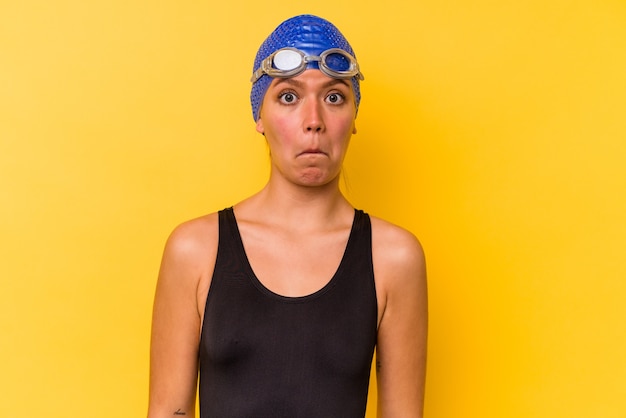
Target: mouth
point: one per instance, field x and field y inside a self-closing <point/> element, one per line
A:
<point x="312" y="151"/>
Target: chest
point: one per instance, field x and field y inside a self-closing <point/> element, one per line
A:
<point x="295" y="266"/>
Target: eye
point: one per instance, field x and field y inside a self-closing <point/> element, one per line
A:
<point x="335" y="98"/>
<point x="287" y="97"/>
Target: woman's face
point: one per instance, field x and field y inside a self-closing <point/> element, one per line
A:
<point x="308" y="121"/>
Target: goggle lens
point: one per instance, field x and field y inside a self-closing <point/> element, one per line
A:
<point x="287" y="60"/>
<point x="337" y="62"/>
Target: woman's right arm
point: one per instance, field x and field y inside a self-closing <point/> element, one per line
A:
<point x="176" y="320"/>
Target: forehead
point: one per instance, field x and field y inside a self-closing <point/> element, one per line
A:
<point x="311" y="78"/>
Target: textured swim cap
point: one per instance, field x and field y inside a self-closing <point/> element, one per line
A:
<point x="310" y="34"/>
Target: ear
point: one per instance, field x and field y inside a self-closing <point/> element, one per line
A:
<point x="259" y="126"/>
<point x="354" y="128"/>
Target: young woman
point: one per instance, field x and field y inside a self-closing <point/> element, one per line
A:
<point x="279" y="301"/>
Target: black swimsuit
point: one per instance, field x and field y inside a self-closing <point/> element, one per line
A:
<point x="267" y="355"/>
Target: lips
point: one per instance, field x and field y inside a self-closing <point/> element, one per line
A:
<point x="312" y="151"/>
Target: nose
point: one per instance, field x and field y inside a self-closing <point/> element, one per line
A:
<point x="313" y="116"/>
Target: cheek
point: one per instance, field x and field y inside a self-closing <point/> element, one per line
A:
<point x="347" y="127"/>
<point x="279" y="133"/>
<point x="281" y="127"/>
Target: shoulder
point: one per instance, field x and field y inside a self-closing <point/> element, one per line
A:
<point x="188" y="261"/>
<point x="398" y="258"/>
<point x="394" y="246"/>
<point x="194" y="234"/>
<point x="191" y="244"/>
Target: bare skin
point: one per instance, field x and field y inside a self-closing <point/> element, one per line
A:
<point x="300" y="214"/>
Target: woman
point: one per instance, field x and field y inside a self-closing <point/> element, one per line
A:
<point x="279" y="301"/>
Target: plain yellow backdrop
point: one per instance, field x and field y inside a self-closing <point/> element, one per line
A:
<point x="494" y="130"/>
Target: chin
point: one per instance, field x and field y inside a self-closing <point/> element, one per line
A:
<point x="316" y="179"/>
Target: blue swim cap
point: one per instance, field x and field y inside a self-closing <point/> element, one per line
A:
<point x="310" y="34"/>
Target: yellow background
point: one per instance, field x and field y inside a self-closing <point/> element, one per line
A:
<point x="494" y="130"/>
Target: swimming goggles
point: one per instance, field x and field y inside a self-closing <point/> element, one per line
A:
<point x="289" y="62"/>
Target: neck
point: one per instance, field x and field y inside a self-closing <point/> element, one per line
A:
<point x="298" y="207"/>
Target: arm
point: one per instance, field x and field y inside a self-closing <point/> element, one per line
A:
<point x="401" y="347"/>
<point x="176" y="323"/>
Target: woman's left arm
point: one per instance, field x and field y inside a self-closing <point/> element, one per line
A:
<point x="400" y="271"/>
